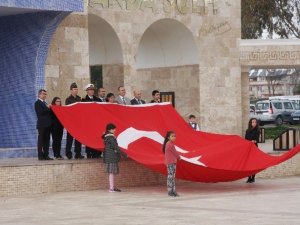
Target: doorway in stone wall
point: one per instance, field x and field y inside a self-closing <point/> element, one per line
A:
<point x="96" y="76"/>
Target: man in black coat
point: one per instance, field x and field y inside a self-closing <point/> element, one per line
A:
<point x="73" y="98"/>
<point x="101" y="94"/>
<point x="137" y="100"/>
<point x="90" y="97"/>
<point x="43" y="125"/>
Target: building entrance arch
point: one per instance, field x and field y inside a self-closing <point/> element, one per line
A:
<point x="167" y="60"/>
<point x="105" y="54"/>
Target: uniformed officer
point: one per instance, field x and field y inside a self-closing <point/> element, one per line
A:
<point x="90" y="97"/>
<point x="73" y="98"/>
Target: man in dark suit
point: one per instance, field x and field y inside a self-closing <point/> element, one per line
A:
<point x="43" y="125"/>
<point x="101" y="94"/>
<point x="156" y="96"/>
<point x="73" y="98"/>
<point x="137" y="100"/>
<point x="90" y="97"/>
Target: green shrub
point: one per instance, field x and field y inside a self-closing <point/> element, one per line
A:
<point x="273" y="132"/>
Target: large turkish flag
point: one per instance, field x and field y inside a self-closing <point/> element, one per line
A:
<point x="206" y="157"/>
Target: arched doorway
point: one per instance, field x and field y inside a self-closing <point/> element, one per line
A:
<point x="105" y="52"/>
<point x="167" y="60"/>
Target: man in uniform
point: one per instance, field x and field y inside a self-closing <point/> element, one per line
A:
<point x="90" y="97"/>
<point x="70" y="100"/>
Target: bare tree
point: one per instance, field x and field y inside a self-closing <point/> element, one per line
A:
<point x="279" y="17"/>
<point x="273" y="81"/>
<point x="295" y="80"/>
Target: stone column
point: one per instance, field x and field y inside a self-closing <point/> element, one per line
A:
<point x="245" y="99"/>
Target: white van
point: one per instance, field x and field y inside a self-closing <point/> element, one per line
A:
<point x="294" y="98"/>
<point x="278" y="111"/>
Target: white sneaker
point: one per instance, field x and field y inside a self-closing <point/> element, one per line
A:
<point x="111" y="190"/>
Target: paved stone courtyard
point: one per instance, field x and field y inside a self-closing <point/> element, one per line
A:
<point x="268" y="201"/>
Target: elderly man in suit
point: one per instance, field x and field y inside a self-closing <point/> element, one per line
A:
<point x="121" y="99"/>
<point x="43" y="125"/>
<point x="137" y="100"/>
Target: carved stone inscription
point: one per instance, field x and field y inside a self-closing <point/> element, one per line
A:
<point x="200" y="7"/>
<point x="216" y="29"/>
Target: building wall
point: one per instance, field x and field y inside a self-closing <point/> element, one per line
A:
<point x="113" y="77"/>
<point x="183" y="80"/>
<point x="71" y="176"/>
<point x="215" y="30"/>
<point x="259" y="88"/>
<point x="245" y="100"/>
<point x="68" y="57"/>
<point x="28" y="179"/>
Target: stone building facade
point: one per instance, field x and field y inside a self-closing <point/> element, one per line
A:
<point x="192" y="48"/>
<point x="188" y="47"/>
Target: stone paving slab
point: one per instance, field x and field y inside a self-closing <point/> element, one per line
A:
<point x="266" y="202"/>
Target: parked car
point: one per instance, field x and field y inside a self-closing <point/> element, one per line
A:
<point x="295" y="117"/>
<point x="275" y="111"/>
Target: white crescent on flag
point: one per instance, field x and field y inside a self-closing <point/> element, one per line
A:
<point x="130" y="135"/>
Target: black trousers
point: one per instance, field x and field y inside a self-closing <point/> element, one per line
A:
<point x="92" y="153"/>
<point x="69" y="144"/>
<point x="57" y="134"/>
<point x="43" y="142"/>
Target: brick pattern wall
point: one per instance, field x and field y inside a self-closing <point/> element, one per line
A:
<point x="44" y="177"/>
<point x="47" y="177"/>
<point x="290" y="167"/>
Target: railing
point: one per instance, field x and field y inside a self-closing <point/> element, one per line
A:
<point x="262" y="136"/>
<point x="286" y="140"/>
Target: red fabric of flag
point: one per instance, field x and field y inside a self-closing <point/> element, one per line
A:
<point x="206" y="157"/>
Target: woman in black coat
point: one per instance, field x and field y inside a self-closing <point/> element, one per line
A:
<point x="56" y="131"/>
<point x="252" y="134"/>
<point x="111" y="155"/>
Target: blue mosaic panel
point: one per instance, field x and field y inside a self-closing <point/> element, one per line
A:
<point x="24" y="41"/>
<point x="53" y="5"/>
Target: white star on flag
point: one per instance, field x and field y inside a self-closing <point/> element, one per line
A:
<point x="131" y="134"/>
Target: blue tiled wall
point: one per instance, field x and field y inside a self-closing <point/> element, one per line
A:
<point x="24" y="41"/>
<point x="56" y="5"/>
